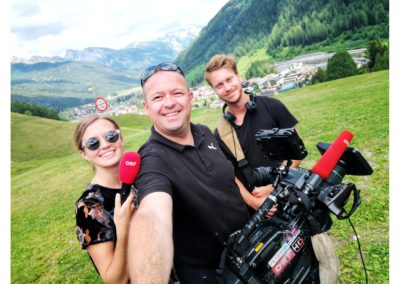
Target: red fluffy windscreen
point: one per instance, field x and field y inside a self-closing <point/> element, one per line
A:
<point x="329" y="159"/>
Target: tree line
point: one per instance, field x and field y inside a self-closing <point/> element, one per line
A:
<point x="35" y="110"/>
<point x="342" y="65"/>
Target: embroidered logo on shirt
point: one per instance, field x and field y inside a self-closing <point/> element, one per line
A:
<point x="211" y="146"/>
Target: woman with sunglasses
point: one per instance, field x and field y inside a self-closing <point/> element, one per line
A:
<point x="102" y="222"/>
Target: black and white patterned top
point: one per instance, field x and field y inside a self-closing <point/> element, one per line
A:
<point x="95" y="215"/>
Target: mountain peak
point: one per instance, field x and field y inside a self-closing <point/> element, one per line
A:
<point x="135" y="56"/>
<point x="176" y="39"/>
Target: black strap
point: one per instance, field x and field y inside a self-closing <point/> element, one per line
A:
<point x="247" y="171"/>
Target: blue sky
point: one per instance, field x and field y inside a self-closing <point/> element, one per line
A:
<point x="49" y="28"/>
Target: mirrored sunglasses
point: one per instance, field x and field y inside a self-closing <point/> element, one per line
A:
<point x="93" y="143"/>
<point x="165" y="66"/>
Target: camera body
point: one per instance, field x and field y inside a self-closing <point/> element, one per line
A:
<point x="279" y="249"/>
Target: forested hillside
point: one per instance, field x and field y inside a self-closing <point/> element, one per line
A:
<point x="284" y="28"/>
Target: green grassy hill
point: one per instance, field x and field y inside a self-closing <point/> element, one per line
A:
<point x="48" y="176"/>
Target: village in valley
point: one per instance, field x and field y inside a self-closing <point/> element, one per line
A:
<point x="290" y="74"/>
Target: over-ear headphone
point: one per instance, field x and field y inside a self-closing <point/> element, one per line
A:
<point x="250" y="107"/>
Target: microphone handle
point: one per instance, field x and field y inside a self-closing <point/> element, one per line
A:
<point x="125" y="191"/>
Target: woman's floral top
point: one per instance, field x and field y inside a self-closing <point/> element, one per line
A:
<point x="95" y="215"/>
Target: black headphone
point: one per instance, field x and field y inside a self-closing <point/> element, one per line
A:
<point x="250" y="107"/>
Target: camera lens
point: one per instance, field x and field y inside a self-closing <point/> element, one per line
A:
<point x="262" y="176"/>
<point x="337" y="175"/>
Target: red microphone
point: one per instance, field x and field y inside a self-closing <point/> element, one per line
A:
<point x="329" y="159"/>
<point x="128" y="170"/>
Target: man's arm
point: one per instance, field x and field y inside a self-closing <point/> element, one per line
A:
<point x="253" y="201"/>
<point x="150" y="247"/>
<point x="296" y="163"/>
<point x="256" y="200"/>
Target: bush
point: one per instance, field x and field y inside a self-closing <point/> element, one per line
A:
<point x="378" y="51"/>
<point x="381" y="61"/>
<point x="340" y="65"/>
<point x="319" y="76"/>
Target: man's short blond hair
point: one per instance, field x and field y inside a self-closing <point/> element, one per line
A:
<point x="220" y="61"/>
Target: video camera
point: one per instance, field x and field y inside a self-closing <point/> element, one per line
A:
<point x="279" y="249"/>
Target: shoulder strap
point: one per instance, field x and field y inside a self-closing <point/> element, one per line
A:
<point x="229" y="136"/>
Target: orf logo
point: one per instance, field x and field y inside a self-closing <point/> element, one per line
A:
<point x="345" y="141"/>
<point x="130" y="163"/>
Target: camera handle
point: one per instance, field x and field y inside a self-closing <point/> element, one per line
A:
<point x="356" y="202"/>
<point x="336" y="197"/>
<point x="270" y="201"/>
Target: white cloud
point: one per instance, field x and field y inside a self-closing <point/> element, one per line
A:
<point x="49" y="28"/>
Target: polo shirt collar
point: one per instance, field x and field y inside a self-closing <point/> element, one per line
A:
<point x="198" y="137"/>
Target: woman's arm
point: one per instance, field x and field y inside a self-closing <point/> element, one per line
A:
<point x="110" y="257"/>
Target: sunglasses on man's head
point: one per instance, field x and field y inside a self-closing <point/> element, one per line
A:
<point x="165" y="66"/>
<point x="93" y="143"/>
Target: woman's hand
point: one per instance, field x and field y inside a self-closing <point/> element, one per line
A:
<point x="123" y="213"/>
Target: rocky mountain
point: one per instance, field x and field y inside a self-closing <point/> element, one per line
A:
<point x="134" y="57"/>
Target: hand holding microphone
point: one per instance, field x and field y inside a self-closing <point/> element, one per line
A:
<point x="123" y="213"/>
<point x="128" y="170"/>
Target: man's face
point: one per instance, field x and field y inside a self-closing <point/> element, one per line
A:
<point x="226" y="84"/>
<point x="168" y="103"/>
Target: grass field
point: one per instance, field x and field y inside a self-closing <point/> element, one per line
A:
<point x="48" y="176"/>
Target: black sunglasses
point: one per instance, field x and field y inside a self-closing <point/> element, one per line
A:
<point x="93" y="143"/>
<point x="165" y="66"/>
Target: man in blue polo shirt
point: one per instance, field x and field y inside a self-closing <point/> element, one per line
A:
<point x="189" y="201"/>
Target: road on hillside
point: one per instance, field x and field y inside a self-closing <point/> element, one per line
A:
<point x="320" y="59"/>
